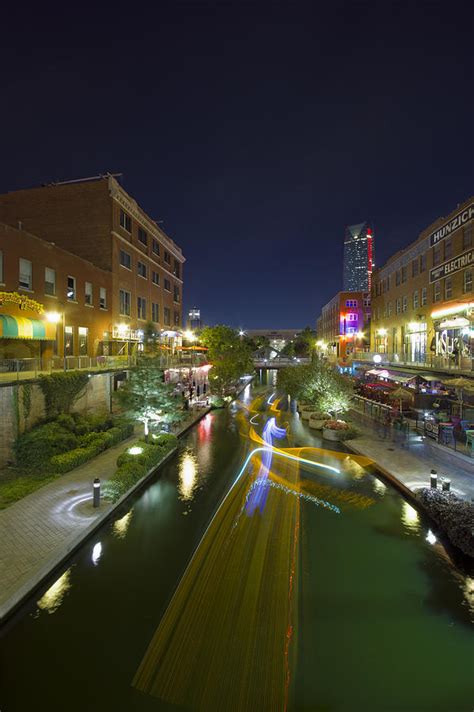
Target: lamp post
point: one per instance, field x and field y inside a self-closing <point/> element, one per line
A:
<point x="54" y="318"/>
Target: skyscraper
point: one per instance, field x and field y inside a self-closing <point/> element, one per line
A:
<point x="358" y="258"/>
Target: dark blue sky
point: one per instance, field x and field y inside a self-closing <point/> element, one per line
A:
<point x="256" y="131"/>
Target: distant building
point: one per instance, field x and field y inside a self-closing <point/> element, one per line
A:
<point x="194" y="319"/>
<point x="358" y="258"/>
<point x="344" y="324"/>
<point x="277" y="338"/>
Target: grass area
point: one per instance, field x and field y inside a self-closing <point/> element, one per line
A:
<point x="16" y="486"/>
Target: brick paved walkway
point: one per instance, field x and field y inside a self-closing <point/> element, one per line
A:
<point x="411" y="460"/>
<point x="45" y="525"/>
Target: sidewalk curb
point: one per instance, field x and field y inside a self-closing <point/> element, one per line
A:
<point x="31" y="582"/>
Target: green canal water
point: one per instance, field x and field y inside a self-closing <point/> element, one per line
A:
<point x="384" y="617"/>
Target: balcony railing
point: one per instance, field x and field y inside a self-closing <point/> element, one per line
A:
<point x="431" y="361"/>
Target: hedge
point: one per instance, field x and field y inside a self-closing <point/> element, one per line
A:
<point x="69" y="460"/>
<point x="131" y="468"/>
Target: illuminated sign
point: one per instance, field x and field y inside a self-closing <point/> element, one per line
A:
<point x="452" y="225"/>
<point x="451" y="266"/>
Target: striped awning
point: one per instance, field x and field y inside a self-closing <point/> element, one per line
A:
<point x="19" y="327"/>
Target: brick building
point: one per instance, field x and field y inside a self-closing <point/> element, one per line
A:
<point x="52" y="302"/>
<point x="344" y="323"/>
<point x="422" y="298"/>
<point x="96" y="219"/>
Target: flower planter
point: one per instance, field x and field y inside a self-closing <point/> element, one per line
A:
<point x="330" y="434"/>
<point x="306" y="414"/>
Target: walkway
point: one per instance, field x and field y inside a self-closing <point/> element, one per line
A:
<point x="38" y="531"/>
<point x="411" y="460"/>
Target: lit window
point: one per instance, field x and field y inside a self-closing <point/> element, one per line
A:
<point x="88" y="293"/>
<point x="26" y="274"/>
<point x="83" y="333"/>
<point x="71" y="289"/>
<point x="49" y="281"/>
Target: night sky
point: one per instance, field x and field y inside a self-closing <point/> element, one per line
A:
<point x="255" y="131"/>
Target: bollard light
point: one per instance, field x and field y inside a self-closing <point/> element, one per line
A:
<point x="434" y="479"/>
<point x="96" y="491"/>
<point x="446" y="484"/>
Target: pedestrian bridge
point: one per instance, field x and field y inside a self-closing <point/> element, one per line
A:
<point x="279" y="362"/>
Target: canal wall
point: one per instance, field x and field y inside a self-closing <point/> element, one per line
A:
<point x="22" y="513"/>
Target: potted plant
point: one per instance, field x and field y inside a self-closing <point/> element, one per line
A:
<point x="317" y="420"/>
<point x="335" y="429"/>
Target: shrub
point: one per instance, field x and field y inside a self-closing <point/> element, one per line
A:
<point x="36" y="447"/>
<point x="69" y="460"/>
<point x="100" y="441"/>
<point x="165" y="440"/>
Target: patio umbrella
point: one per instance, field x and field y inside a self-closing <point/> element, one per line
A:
<point x="460" y="384"/>
<point x="401" y="394"/>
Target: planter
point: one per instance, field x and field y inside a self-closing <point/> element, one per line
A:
<point x="329" y="434"/>
<point x="316" y="423"/>
<point x="306" y="414"/>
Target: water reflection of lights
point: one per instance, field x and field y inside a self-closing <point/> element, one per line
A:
<point x="96" y="553"/>
<point x="204" y="428"/>
<point x="410" y="517"/>
<point x="252" y="419"/>
<point x="469" y="593"/>
<point x="187" y="476"/>
<point x="54" y="596"/>
<point x="430" y="537"/>
<point x="120" y="527"/>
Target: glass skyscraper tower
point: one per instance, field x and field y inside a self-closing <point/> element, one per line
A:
<point x="358" y="258"/>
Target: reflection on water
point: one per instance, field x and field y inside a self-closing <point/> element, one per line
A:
<point x="410" y="517"/>
<point x="379" y="486"/>
<point x="96" y="553"/>
<point x="188" y="471"/>
<point x="469" y="593"/>
<point x="54" y="596"/>
<point x="430" y="537"/>
<point x="120" y="527"/>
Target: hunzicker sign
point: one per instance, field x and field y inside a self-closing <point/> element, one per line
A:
<point x="452" y="225"/>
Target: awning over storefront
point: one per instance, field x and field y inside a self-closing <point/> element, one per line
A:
<point x="19" y="327"/>
<point x="429" y="377"/>
<point x="374" y="372"/>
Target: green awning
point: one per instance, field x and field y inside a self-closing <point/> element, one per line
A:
<point x="19" y="327"/>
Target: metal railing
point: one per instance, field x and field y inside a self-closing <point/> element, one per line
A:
<point x="433" y="361"/>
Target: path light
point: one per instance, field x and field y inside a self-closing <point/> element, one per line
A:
<point x="96" y="492"/>
<point x="377" y="358"/>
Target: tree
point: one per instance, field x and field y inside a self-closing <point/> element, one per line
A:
<point x="146" y="397"/>
<point x="229" y="355"/>
<point x="318" y="384"/>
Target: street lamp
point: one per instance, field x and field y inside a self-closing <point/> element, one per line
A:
<point x="55" y="317"/>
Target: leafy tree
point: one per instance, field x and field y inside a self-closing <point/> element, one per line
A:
<point x="229" y="355"/>
<point x="147" y="398"/>
<point x="150" y="338"/>
<point x="319" y="384"/>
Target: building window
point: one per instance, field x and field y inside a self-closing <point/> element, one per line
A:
<point x="68" y="341"/>
<point x="366" y="302"/>
<point x="397" y="277"/>
<point x="125" y="259"/>
<point x="467" y="237"/>
<point x="167" y="316"/>
<point x="176" y="318"/>
<point x="351" y="317"/>
<point x="448" y="248"/>
<point x="88" y="293"/>
<point x="125" y="302"/>
<point x="155" y="278"/>
<point x="405" y="304"/>
<point x="71" y="289"/>
<point x="167" y="257"/>
<point x="390" y="308"/>
<point x="423" y="262"/>
<point x="125" y="221"/>
<point x="49" y="281"/>
<point x="415" y="299"/>
<point x="404" y="274"/>
<point x="436" y="291"/>
<point x="143" y="236"/>
<point x="155" y="312"/>
<point x="448" y="288"/>
<point x="142" y="270"/>
<point x="167" y="285"/>
<point x="423" y="296"/>
<point x="399" y="305"/>
<point x="155" y="246"/>
<point x="103" y="298"/>
<point x="141" y="308"/>
<point x="176" y="293"/>
<point x="26" y="274"/>
<point x="177" y="269"/>
<point x="467" y="287"/>
<point x="83" y="338"/>
<point x="414" y="268"/>
<point x="351" y="303"/>
<point x="436" y="255"/>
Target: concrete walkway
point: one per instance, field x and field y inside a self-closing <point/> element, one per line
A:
<point x="40" y="530"/>
<point x="410" y="460"/>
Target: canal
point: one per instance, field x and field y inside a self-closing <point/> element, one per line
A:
<point x="312" y="588"/>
